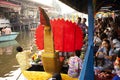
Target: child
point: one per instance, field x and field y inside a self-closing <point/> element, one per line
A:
<point x="75" y="65"/>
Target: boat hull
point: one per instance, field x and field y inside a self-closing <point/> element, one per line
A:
<point x="9" y="37"/>
<point x="8" y="43"/>
<point x="40" y="75"/>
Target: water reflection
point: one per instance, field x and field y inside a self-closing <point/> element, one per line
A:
<point x="7" y="47"/>
<point x="8" y="51"/>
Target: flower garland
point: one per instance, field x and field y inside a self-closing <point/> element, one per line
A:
<point x="36" y="58"/>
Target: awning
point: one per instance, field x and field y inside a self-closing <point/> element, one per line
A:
<point x="10" y="5"/>
<point x="82" y="5"/>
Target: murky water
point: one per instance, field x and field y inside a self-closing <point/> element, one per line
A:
<point x="8" y="52"/>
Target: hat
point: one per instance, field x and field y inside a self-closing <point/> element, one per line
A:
<point x="115" y="41"/>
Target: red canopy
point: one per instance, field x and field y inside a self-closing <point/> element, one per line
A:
<point x="68" y="36"/>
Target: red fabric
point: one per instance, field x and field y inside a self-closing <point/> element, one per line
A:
<point x="61" y="59"/>
<point x="39" y="35"/>
<point x="59" y="31"/>
<point x="68" y="36"/>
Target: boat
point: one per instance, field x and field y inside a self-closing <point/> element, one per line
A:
<point x="8" y="43"/>
<point x="40" y="75"/>
<point x="9" y="37"/>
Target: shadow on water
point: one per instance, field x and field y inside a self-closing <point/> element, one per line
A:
<point x="8" y="52"/>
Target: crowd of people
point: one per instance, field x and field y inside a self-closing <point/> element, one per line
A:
<point x="106" y="45"/>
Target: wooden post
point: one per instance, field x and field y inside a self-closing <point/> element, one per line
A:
<point x="87" y="72"/>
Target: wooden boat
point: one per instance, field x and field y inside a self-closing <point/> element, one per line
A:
<point x="9" y="37"/>
<point x="8" y="43"/>
<point x="40" y="75"/>
<point x="49" y="57"/>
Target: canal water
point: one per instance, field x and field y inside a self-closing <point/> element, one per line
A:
<point x="8" y="51"/>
